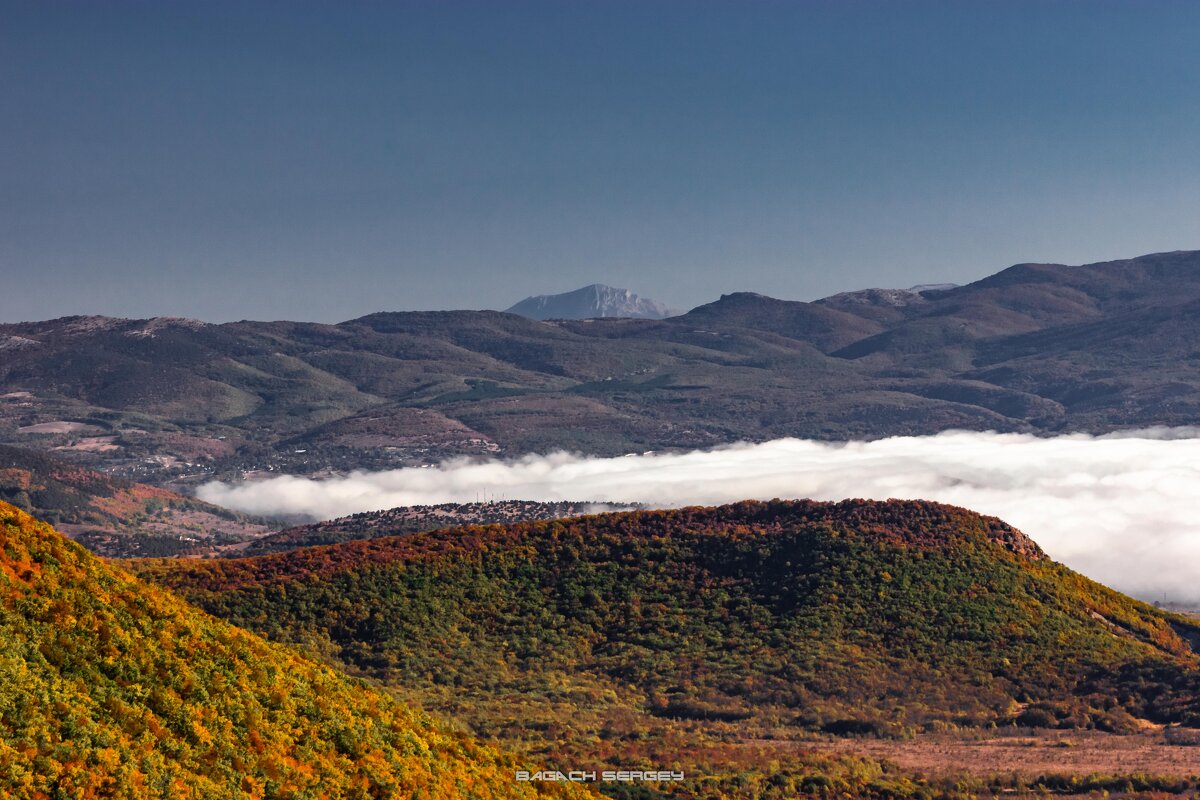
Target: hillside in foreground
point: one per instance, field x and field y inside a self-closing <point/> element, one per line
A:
<point x="113" y="688"/>
<point x="678" y="634"/>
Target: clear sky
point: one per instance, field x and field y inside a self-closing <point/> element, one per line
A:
<point x="324" y="160"/>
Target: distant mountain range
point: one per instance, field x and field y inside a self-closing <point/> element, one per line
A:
<point x="1039" y="348"/>
<point x="592" y="302"/>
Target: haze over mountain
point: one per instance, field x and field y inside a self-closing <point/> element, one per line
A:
<point x="592" y="302"/>
<point x="680" y="636"/>
<point x="1037" y="348"/>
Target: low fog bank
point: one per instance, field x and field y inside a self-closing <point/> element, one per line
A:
<point x="1123" y="509"/>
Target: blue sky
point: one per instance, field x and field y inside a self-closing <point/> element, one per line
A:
<point x="322" y="161"/>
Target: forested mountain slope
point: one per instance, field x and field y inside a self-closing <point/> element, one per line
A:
<point x="110" y="687"/>
<point x="659" y="631"/>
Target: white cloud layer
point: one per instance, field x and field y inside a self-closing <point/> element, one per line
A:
<point x="1123" y="508"/>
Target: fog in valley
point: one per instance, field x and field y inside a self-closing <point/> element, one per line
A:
<point x="1120" y="508"/>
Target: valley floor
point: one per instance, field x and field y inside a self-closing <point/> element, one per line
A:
<point x="1027" y="755"/>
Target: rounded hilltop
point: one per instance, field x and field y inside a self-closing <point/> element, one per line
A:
<point x="897" y="614"/>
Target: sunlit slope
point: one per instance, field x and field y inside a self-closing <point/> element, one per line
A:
<point x="584" y="636"/>
<point x="110" y="687"/>
<point x="112" y="516"/>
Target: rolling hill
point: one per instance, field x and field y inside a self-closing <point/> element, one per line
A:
<point x="1035" y="348"/>
<point x="117" y="517"/>
<point x="110" y="687"/>
<point x="114" y="688"/>
<point x="703" y="631"/>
